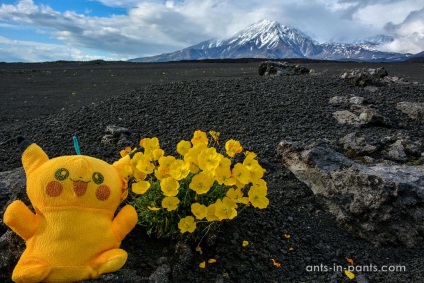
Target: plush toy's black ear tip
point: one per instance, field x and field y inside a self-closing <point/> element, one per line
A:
<point x="23" y="143"/>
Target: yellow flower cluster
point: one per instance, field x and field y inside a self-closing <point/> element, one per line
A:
<point x="203" y="185"/>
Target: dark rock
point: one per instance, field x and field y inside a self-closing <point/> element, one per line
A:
<point x="365" y="77"/>
<point x="396" y="152"/>
<point x="116" y="130"/>
<point x="346" y="117"/>
<point x="122" y="276"/>
<point x="362" y="116"/>
<point x="382" y="203"/>
<point x="270" y="68"/>
<point x="11" y="248"/>
<point x="354" y="141"/>
<point x="413" y="109"/>
<point x="161" y="274"/>
<point x="184" y="256"/>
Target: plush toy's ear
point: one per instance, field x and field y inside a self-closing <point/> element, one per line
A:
<point x="120" y="165"/>
<point x="32" y="155"/>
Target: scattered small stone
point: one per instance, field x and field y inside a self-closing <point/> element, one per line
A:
<point x="371" y="88"/>
<point x="116" y="135"/>
<point x="116" y="130"/>
<point x="346" y="117"/>
<point x="414" y="110"/>
<point x="339" y="100"/>
<point x="356" y="100"/>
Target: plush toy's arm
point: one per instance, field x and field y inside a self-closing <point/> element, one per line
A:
<point x="20" y="219"/>
<point x="124" y="221"/>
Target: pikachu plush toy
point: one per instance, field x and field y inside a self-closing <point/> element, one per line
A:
<point x="74" y="234"/>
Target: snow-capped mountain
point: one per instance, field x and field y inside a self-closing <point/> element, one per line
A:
<point x="272" y="40"/>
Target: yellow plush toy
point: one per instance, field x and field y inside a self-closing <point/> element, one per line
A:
<point x="73" y="234"/>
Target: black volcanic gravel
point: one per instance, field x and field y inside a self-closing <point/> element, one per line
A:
<point x="260" y="112"/>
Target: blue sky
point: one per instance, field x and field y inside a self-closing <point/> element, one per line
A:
<point x="49" y="30"/>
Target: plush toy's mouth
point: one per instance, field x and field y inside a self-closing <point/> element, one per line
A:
<point x="80" y="187"/>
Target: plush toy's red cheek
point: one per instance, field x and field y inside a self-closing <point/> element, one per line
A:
<point x="54" y="189"/>
<point x="103" y="192"/>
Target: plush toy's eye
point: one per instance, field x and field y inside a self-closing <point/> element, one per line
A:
<point x="61" y="174"/>
<point x="98" y="178"/>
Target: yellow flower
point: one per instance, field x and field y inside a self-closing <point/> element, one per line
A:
<point x="211" y="260"/>
<point x="225" y="209"/>
<point x="139" y="176"/>
<point x="126" y="151"/>
<point x="201" y="183"/>
<point x="244" y="244"/>
<point x="187" y="224"/>
<point x="192" y="157"/>
<point x="257" y="196"/>
<point x="170" y="203"/>
<point x="166" y="161"/>
<point x="160" y="175"/>
<point x="179" y="169"/>
<point x="256" y="171"/>
<point x="211" y="213"/>
<point x="149" y="144"/>
<point x="233" y="147"/>
<point x="142" y="163"/>
<point x="209" y="160"/>
<point x="140" y="187"/>
<point x="127" y="172"/>
<point x="349" y="274"/>
<point x="241" y="173"/>
<point x="158" y="153"/>
<point x="164" y="167"/>
<point x="237" y="196"/>
<point x="169" y="186"/>
<point x="199" y="210"/>
<point x="136" y="158"/>
<point x="183" y="146"/>
<point x="199" y="137"/>
<point x="215" y="136"/>
<point x="152" y="208"/>
<point x="225" y="163"/>
<point x="202" y="264"/>
<point x="224" y="177"/>
<point x="250" y="159"/>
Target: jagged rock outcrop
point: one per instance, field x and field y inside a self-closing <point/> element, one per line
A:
<point x="117" y="135"/>
<point x="270" y="68"/>
<point x="365" y="77"/>
<point x="382" y="203"/>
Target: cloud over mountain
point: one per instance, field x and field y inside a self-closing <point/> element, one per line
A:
<point x="130" y="28"/>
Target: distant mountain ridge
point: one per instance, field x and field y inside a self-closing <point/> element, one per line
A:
<point x="272" y="40"/>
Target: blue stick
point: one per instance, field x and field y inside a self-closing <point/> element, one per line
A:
<point x="76" y="145"/>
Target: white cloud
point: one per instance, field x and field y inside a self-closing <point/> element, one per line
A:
<point x="27" y="51"/>
<point x="154" y="27"/>
<point x="409" y="35"/>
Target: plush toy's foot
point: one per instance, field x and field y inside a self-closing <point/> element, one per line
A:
<point x="30" y="270"/>
<point x="110" y="261"/>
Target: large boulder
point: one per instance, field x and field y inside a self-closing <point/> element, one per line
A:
<point x="383" y="203"/>
<point x="365" y="77"/>
<point x="270" y="68"/>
